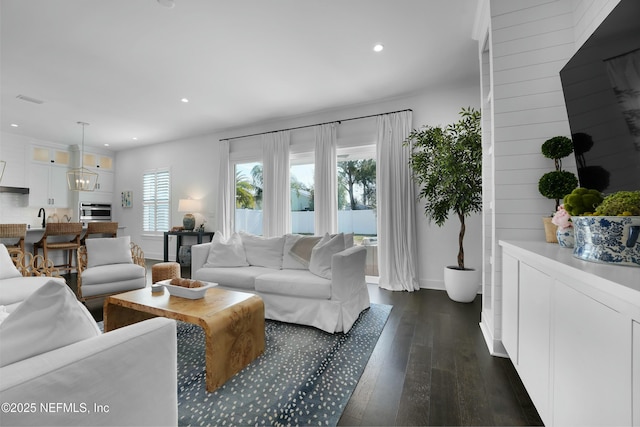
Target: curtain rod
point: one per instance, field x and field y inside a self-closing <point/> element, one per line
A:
<point x="317" y="124"/>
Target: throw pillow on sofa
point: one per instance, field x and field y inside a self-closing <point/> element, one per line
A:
<point x="297" y="251"/>
<point x="226" y="252"/>
<point x="263" y="251"/>
<point x="320" y="263"/>
<point x="50" y="318"/>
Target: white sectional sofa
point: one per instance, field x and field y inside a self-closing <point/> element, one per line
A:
<point x="58" y="369"/>
<point x="14" y="287"/>
<point x="309" y="280"/>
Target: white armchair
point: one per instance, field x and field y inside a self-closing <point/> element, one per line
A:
<point x="108" y="266"/>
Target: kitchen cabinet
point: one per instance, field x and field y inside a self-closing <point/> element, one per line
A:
<point x="105" y="182"/>
<point x="14" y="174"/>
<point x="97" y="161"/>
<point x="571" y="328"/>
<point x="48" y="186"/>
<point x="101" y="164"/>
<point x="49" y="155"/>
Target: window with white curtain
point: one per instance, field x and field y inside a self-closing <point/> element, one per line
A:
<point x="156" y="196"/>
<point x="302" y="187"/>
<point x="248" y="197"/>
<point x="357" y="200"/>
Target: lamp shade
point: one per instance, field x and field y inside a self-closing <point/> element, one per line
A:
<point x="189" y="205"/>
<point x="81" y="179"/>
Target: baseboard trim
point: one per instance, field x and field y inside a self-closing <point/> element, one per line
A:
<point x="495" y="346"/>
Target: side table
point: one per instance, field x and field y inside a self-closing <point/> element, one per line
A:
<point x="180" y="235"/>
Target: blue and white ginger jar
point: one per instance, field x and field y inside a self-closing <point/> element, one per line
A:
<point x="565" y="237"/>
<point x="607" y="239"/>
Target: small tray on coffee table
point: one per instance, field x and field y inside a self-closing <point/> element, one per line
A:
<point x="184" y="292"/>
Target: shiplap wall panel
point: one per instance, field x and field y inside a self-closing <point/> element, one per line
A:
<point x="528" y="146"/>
<point x="528" y="29"/>
<point x="535" y="42"/>
<point x="588" y="14"/>
<point x="521" y="162"/>
<point x="516" y="5"/>
<point x="535" y="115"/>
<point x="540" y="131"/>
<point x="514" y="16"/>
<point x="532" y="56"/>
<point x="527" y="87"/>
<point x="531" y="40"/>
<point x="520" y="191"/>
<point x="535" y="71"/>
<point x="533" y="101"/>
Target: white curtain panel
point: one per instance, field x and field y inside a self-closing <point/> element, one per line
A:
<point x="225" y="191"/>
<point x="325" y="180"/>
<point x="276" y="205"/>
<point x="396" y="204"/>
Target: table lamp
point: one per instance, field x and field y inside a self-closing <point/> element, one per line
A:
<point x="189" y="206"/>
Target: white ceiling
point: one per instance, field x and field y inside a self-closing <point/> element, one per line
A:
<point x="124" y="65"/>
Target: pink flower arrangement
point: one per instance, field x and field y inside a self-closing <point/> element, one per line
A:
<point x="562" y="218"/>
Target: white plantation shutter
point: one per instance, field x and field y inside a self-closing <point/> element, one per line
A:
<point x="156" y="200"/>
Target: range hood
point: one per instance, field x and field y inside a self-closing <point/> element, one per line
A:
<point x="15" y="190"/>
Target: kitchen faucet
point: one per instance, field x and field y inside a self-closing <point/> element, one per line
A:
<point x="44" y="216"/>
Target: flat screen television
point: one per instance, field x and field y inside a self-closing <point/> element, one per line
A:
<point x="601" y="85"/>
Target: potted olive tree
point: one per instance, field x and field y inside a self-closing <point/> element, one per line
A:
<point x="557" y="183"/>
<point x="447" y="164"/>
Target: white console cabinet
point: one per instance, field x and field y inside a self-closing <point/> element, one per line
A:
<point x="572" y="330"/>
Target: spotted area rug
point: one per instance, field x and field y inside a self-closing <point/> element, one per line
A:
<point x="304" y="377"/>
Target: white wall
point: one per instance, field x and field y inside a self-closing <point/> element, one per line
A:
<point x="193" y="164"/>
<point x="530" y="42"/>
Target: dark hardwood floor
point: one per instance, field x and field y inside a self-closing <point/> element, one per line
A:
<point x="431" y="366"/>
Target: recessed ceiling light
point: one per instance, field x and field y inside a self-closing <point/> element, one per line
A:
<point x="13" y="125"/>
<point x="135" y="138"/>
<point x="185" y="100"/>
<point x="106" y="145"/>
<point x="378" y="48"/>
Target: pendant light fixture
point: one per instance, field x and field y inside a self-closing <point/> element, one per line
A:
<point x="82" y="179"/>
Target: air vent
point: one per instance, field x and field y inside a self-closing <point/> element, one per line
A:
<point x="29" y="99"/>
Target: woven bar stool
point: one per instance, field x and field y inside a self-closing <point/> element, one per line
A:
<point x="61" y="229"/>
<point x="105" y="229"/>
<point x="15" y="232"/>
<point x="164" y="271"/>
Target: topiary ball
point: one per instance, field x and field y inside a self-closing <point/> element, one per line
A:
<point x="556" y="184"/>
<point x="582" y="200"/>
<point x="557" y="147"/>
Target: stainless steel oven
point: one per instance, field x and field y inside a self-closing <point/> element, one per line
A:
<point x="95" y="212"/>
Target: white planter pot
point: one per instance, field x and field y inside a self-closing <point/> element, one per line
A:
<point x="461" y="285"/>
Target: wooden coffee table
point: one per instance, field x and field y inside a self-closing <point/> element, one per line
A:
<point x="233" y="324"/>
